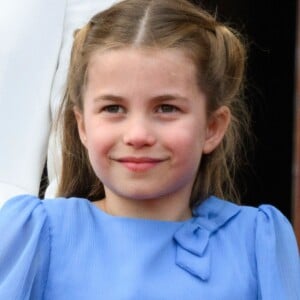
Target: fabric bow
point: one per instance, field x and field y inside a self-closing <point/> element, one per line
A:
<point x="193" y="252"/>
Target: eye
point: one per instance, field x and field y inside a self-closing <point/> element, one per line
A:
<point x="113" y="109"/>
<point x="167" y="108"/>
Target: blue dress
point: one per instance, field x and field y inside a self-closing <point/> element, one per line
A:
<point x="69" y="249"/>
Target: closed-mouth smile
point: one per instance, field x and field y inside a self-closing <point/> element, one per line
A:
<point x="139" y="164"/>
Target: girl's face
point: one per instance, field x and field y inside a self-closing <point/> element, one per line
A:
<point x="144" y="123"/>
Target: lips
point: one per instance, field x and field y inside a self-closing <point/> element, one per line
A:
<point x="139" y="164"/>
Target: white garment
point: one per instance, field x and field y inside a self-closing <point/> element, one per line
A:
<point x="36" y="38"/>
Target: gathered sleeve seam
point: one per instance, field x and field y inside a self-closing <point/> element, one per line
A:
<point x="50" y="238"/>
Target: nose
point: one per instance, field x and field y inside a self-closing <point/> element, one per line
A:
<point x="139" y="133"/>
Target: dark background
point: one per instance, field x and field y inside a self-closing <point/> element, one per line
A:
<point x="269" y="27"/>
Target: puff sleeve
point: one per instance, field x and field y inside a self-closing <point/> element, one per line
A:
<point x="24" y="249"/>
<point x="277" y="256"/>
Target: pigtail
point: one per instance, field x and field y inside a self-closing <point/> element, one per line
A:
<point x="226" y="69"/>
<point x="77" y="177"/>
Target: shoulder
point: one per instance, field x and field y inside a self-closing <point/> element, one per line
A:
<point x="257" y="227"/>
<point x="68" y="209"/>
<point x="31" y="209"/>
<point x="223" y="211"/>
<point x="30" y="203"/>
<point x="267" y="221"/>
<point x="22" y="207"/>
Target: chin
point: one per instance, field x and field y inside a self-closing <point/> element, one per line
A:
<point x="139" y="196"/>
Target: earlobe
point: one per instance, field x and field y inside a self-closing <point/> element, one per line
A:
<point x="80" y="124"/>
<point x="216" y="128"/>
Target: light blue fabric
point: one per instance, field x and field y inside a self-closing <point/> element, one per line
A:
<point x="69" y="249"/>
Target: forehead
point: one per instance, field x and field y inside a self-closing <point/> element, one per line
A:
<point x="136" y="66"/>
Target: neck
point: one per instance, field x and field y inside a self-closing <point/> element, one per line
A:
<point x="156" y="209"/>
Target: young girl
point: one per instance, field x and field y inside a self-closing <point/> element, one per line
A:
<point x="152" y="122"/>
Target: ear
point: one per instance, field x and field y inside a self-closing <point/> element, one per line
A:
<point x="217" y="125"/>
<point x="80" y="124"/>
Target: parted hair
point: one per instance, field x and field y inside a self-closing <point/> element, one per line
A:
<point x="219" y="55"/>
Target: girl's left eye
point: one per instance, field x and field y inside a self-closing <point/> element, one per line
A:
<point x="167" y="108"/>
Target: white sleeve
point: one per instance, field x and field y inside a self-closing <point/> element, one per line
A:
<point x="78" y="13"/>
<point x="31" y="34"/>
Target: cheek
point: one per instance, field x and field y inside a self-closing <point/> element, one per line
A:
<point x="99" y="144"/>
<point x="187" y="153"/>
<point x="187" y="140"/>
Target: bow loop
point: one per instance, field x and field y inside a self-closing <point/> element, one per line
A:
<point x="192" y="238"/>
<point x="191" y="254"/>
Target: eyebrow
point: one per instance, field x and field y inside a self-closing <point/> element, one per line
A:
<point x="159" y="98"/>
<point x="168" y="97"/>
<point x="108" y="97"/>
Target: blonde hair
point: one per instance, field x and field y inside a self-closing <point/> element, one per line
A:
<point x="219" y="56"/>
